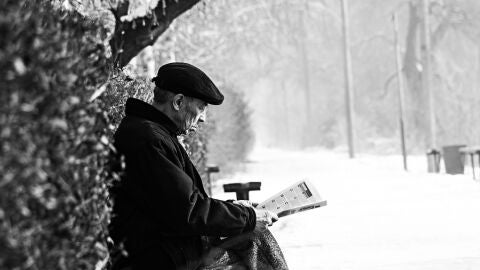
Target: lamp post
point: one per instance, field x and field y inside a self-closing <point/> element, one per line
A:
<point x="401" y="91"/>
<point x="349" y="91"/>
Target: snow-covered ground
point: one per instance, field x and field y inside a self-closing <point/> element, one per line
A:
<point x="378" y="216"/>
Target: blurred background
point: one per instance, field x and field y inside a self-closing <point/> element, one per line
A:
<point x="287" y="60"/>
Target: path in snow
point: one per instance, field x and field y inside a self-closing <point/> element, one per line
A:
<point x="377" y="217"/>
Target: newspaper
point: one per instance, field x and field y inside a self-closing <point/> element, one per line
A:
<point x="299" y="197"/>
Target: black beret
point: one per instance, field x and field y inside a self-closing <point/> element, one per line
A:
<point x="186" y="79"/>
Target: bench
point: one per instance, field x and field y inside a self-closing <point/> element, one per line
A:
<point x="471" y="152"/>
<point x="242" y="189"/>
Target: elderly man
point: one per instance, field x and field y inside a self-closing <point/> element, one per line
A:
<point x="162" y="214"/>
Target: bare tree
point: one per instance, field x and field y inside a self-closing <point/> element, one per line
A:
<point x="446" y="16"/>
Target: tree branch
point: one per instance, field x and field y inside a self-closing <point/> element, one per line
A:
<point x="130" y="37"/>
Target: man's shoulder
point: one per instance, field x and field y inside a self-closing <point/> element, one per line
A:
<point x="134" y="129"/>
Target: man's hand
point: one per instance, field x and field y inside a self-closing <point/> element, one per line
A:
<point x="265" y="217"/>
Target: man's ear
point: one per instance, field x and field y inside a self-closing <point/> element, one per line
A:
<point x="177" y="101"/>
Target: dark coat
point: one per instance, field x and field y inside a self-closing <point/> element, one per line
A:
<point x="161" y="210"/>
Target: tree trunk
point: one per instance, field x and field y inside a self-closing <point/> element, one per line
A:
<point x="417" y="97"/>
<point x="427" y="75"/>
<point x="130" y="37"/>
<point x="286" y="113"/>
<point x="305" y="65"/>
<point x="413" y="75"/>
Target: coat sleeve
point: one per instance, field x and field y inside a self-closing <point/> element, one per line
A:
<point x="170" y="195"/>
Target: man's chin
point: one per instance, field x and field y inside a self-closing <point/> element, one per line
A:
<point x="191" y="131"/>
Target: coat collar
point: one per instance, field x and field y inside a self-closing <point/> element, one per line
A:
<point x="141" y="109"/>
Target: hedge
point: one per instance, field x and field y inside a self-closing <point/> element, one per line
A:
<point x="54" y="141"/>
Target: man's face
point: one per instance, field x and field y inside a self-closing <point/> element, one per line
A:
<point x="192" y="113"/>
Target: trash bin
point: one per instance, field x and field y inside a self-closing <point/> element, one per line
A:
<point x="433" y="160"/>
<point x="454" y="160"/>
